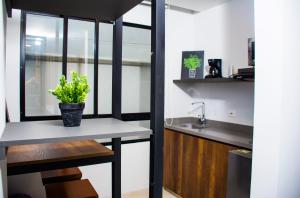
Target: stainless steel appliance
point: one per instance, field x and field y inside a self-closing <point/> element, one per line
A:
<point x="239" y="174"/>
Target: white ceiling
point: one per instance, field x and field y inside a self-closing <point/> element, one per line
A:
<point x="196" y="5"/>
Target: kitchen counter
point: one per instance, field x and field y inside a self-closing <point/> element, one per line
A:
<point x="229" y="133"/>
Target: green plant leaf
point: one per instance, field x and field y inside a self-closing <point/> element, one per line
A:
<point x="193" y="62"/>
<point x="75" y="91"/>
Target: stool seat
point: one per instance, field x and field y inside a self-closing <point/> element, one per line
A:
<point x="61" y="175"/>
<point x="71" y="189"/>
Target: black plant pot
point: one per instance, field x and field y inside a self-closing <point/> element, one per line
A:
<point x="71" y="114"/>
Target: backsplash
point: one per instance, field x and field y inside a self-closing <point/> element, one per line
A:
<point x="232" y="102"/>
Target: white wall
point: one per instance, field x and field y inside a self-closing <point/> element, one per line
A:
<point x="220" y="99"/>
<point x="139" y="15"/>
<point x="3" y="191"/>
<point x="2" y="65"/>
<point x="13" y="66"/>
<point x="180" y="36"/>
<point x="222" y="32"/>
<point x="276" y="158"/>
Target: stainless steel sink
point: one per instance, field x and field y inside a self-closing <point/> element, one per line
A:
<point x="238" y="135"/>
<point x="192" y="126"/>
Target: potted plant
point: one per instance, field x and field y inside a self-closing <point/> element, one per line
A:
<point x="192" y="63"/>
<point x="72" y="96"/>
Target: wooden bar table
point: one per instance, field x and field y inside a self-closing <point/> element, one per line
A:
<point x="39" y="132"/>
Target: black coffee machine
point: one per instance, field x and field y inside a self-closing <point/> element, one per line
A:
<point x="215" y="68"/>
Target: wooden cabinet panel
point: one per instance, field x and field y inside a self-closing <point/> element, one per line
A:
<point x="173" y="151"/>
<point x="195" y="167"/>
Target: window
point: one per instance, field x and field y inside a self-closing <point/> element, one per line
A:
<point x="136" y="70"/>
<point x="105" y="68"/>
<point x="45" y="42"/>
<point x="43" y="63"/>
<point x="81" y="55"/>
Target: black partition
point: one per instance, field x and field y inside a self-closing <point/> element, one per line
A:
<point x="157" y="97"/>
<point x="116" y="102"/>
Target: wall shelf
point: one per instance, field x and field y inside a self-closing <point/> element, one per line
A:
<point x="213" y="80"/>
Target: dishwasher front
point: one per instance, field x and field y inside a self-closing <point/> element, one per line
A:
<point x="239" y="174"/>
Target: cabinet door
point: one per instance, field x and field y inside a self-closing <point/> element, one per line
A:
<point x="195" y="167"/>
<point x="173" y="148"/>
<point x="205" y="168"/>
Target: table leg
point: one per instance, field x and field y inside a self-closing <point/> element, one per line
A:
<point x="156" y="166"/>
<point x="116" y="168"/>
<point x="3" y="172"/>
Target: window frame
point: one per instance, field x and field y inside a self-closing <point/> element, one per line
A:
<point x="125" y="116"/>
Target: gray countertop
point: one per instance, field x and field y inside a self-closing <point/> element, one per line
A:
<point x="53" y="131"/>
<point x="229" y="133"/>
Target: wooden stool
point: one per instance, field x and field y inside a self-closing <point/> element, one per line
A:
<point x="71" y="189"/>
<point x="61" y="175"/>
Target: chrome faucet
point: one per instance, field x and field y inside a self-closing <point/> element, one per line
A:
<point x="202" y="119"/>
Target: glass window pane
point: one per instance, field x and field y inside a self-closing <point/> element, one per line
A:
<point x="43" y="63"/>
<point x="136" y="70"/>
<point x="81" y="43"/>
<point x="105" y="68"/>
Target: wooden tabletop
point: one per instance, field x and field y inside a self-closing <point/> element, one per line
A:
<point x="53" y="152"/>
<point x="30" y="158"/>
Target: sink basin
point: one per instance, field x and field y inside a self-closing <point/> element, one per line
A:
<point x="192" y="126"/>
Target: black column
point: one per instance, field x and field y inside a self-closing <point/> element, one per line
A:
<point x="65" y="47"/>
<point x="117" y="69"/>
<point x="22" y="65"/>
<point x="157" y="97"/>
<point x="96" y="67"/>
<point x="8" y="8"/>
<point x="116" y="104"/>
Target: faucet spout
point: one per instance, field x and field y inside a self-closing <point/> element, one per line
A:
<point x="202" y="119"/>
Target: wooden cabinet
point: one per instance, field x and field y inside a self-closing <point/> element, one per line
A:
<point x="195" y="167"/>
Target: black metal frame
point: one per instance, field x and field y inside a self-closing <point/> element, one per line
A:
<point x="96" y="66"/>
<point x="135" y="25"/>
<point x="124" y="116"/>
<point x="22" y="65"/>
<point x="117" y="69"/>
<point x="8" y="8"/>
<point x="128" y="141"/>
<point x="65" y="49"/>
<point x="157" y="97"/>
<point x="117" y="103"/>
<point x="59" y="165"/>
